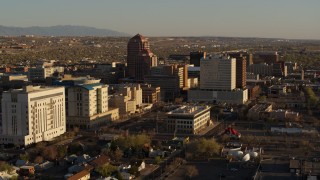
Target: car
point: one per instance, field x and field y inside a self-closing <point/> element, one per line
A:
<point x="233" y="169"/>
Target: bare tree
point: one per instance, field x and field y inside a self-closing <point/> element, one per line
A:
<point x="191" y="171"/>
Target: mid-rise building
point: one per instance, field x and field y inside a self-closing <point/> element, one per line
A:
<point x="32" y="115"/>
<point x="126" y="97"/>
<point x="170" y="78"/>
<point x="218" y="73"/>
<point x="188" y="119"/>
<point x="42" y="72"/>
<point x="196" y="56"/>
<point x="87" y="106"/>
<point x="218" y="82"/>
<point x="265" y="57"/>
<point x="150" y="94"/>
<point x="140" y="59"/>
<point x="242" y="55"/>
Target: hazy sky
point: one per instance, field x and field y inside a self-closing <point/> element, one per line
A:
<point x="242" y="18"/>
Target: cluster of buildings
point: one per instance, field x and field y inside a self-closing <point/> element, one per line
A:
<point x="87" y="95"/>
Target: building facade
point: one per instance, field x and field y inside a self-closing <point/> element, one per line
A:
<point x="218" y="82"/>
<point x="140" y="59"/>
<point x="32" y="115"/>
<point x="196" y="56"/>
<point x="188" y="119"/>
<point x="87" y="106"/>
<point x="126" y="97"/>
<point x="241" y="73"/>
<point x="218" y="73"/>
<point x="150" y="94"/>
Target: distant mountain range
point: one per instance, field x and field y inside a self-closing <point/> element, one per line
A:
<point x="65" y="30"/>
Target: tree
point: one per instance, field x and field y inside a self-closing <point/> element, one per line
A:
<point x="204" y="147"/>
<point x="157" y="159"/>
<point x="119" y="176"/>
<point x="5" y="166"/>
<point x="134" y="170"/>
<point x="24" y="157"/>
<point x="191" y="171"/>
<point x="106" y="169"/>
<point x="75" y="148"/>
<point x="117" y="154"/>
<point x="38" y="160"/>
<point x="50" y="153"/>
<point x="62" y="151"/>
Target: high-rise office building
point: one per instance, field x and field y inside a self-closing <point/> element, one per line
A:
<point x="218" y="82"/>
<point x="140" y="59"/>
<point x="218" y="73"/>
<point x="196" y="56"/>
<point x="32" y="115"/>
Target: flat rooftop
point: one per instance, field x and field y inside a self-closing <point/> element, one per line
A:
<point x="188" y="110"/>
<point x="259" y="107"/>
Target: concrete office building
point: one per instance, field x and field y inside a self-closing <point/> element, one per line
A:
<point x="32" y="115"/>
<point x="188" y="119"/>
<point x="218" y="82"/>
<point x="218" y="73"/>
<point x="170" y="78"/>
<point x="43" y="69"/>
<point x="126" y="97"/>
<point x="237" y="96"/>
<point x="87" y="106"/>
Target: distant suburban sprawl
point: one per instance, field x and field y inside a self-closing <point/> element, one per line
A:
<point x="108" y="106"/>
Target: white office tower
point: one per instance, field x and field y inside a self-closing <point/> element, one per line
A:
<point x="218" y="82"/>
<point x="218" y="73"/>
<point x="32" y="115"/>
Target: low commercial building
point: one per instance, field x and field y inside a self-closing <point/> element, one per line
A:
<point x="238" y="96"/>
<point x="259" y="111"/>
<point x="281" y="114"/>
<point x="188" y="119"/>
<point x="32" y="115"/>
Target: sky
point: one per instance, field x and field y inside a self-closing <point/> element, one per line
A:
<point x="293" y="19"/>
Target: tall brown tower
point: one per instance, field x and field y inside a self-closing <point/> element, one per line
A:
<point x="139" y="57"/>
<point x="241" y="72"/>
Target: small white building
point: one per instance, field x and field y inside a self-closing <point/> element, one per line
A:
<point x="188" y="119"/>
